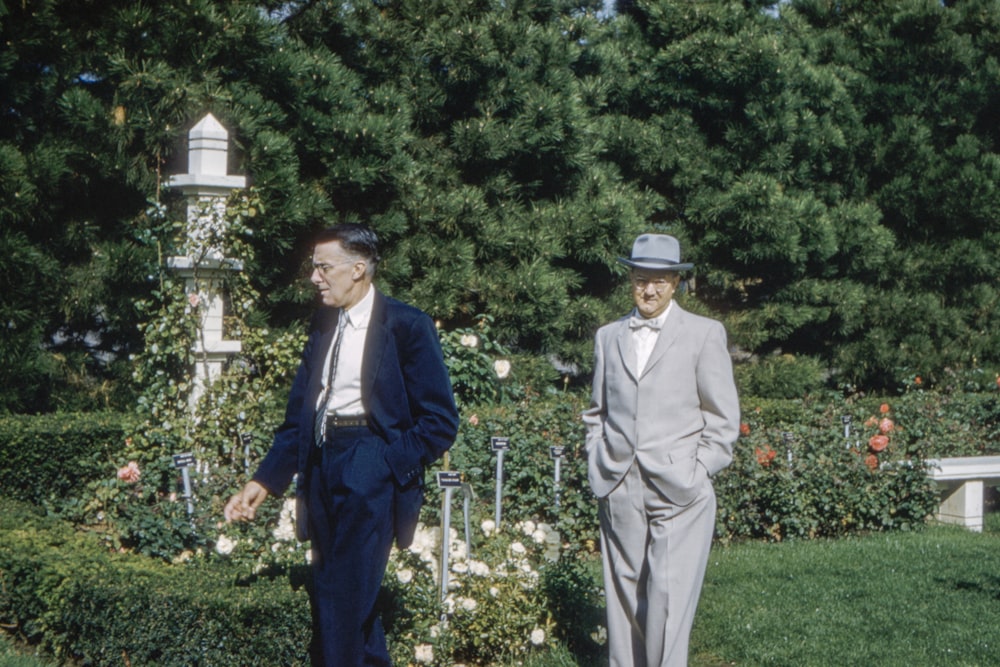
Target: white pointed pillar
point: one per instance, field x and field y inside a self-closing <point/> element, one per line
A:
<point x="203" y="265"/>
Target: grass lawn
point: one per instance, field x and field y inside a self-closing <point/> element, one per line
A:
<point x="903" y="599"/>
<point x="908" y="599"/>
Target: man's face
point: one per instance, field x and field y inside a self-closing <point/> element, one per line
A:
<point x="652" y="290"/>
<point x="337" y="275"/>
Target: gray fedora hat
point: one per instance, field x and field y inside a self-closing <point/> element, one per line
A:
<point x="656" y="252"/>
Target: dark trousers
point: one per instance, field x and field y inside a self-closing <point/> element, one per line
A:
<point x="350" y="494"/>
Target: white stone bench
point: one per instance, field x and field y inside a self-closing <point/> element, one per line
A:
<point x="962" y="481"/>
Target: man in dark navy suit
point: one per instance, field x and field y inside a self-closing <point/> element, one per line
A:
<point x="370" y="407"/>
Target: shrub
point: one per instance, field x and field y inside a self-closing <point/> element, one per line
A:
<point x="47" y="458"/>
<point x="780" y="376"/>
<point x="62" y="589"/>
<point x="802" y="476"/>
<point x="534" y="425"/>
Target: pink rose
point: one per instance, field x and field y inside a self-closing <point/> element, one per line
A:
<point x="871" y="461"/>
<point x="886" y="425"/>
<point x="129" y="473"/>
<point x="194" y="299"/>
<point x="877" y="443"/>
<point x="474" y="420"/>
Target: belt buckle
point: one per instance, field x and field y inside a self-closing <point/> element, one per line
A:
<point x="337" y="421"/>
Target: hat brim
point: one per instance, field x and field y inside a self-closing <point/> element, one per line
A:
<point x="655" y="265"/>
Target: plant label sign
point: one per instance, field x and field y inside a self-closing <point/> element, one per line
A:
<point x="557" y="451"/>
<point x="183" y="460"/>
<point x="500" y="444"/>
<point x="449" y="479"/>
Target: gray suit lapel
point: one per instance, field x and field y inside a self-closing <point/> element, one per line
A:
<point x="626" y="349"/>
<point x="668" y="334"/>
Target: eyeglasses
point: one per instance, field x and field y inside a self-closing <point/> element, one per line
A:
<point x="640" y="284"/>
<point x="324" y="268"/>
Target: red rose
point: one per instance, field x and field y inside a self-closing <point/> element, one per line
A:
<point x="765" y="456"/>
<point x="918" y="381"/>
<point x="884" y="408"/>
<point x="871" y="461"/>
<point x="744" y="429"/>
<point x="877" y="443"/>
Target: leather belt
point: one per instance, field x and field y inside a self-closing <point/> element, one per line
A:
<point x="350" y="421"/>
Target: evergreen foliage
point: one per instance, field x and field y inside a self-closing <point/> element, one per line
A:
<point x="831" y="168"/>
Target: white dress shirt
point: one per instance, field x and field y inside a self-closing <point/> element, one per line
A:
<point x="644" y="338"/>
<point x="346" y="399"/>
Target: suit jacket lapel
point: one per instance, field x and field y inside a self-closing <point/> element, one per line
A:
<point x="375" y="346"/>
<point x="668" y="334"/>
<point x="626" y="349"/>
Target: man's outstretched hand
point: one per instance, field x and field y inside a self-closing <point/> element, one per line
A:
<point x="243" y="505"/>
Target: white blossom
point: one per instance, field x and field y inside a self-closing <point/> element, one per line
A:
<point x="285" y="530"/>
<point x="538" y="636"/>
<point x="404" y="576"/>
<point x="488" y="527"/>
<point x="479" y="568"/>
<point x="518" y="548"/>
<point x="224" y="546"/>
<point x="502" y="368"/>
<point x="469" y="340"/>
<point x="423" y="653"/>
<point x="468" y="604"/>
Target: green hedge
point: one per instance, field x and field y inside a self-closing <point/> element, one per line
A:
<point x="49" y="458"/>
<point x="62" y="589"/>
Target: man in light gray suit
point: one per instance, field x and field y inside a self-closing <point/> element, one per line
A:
<point x="663" y="418"/>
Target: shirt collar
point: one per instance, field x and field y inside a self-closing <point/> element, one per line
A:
<point x="360" y="313"/>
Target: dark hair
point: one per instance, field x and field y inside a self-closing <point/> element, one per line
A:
<point x="355" y="238"/>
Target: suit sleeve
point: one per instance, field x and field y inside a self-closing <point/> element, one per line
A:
<point x="427" y="390"/>
<point x="593" y="417"/>
<point x="720" y="406"/>
<point x="279" y="466"/>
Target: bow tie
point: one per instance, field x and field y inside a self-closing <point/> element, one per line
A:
<point x="640" y="322"/>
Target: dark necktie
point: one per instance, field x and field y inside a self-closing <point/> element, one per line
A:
<point x="319" y="427"/>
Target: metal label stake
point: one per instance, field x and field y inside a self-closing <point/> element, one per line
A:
<point x="499" y="445"/>
<point x="557" y="453"/>
<point x="184" y="462"/>
<point x="448" y="480"/>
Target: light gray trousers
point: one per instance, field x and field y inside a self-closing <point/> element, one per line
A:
<point x="655" y="554"/>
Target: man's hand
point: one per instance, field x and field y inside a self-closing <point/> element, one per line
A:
<point x="243" y="506"/>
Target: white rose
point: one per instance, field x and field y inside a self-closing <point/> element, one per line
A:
<point x="502" y="368"/>
<point x="518" y="548"/>
<point x="468" y="604"/>
<point x="488" y="527"/>
<point x="538" y="636"/>
<point x="469" y="340"/>
<point x="479" y="568"/>
<point x="224" y="545"/>
<point x="405" y="576"/>
<point x="423" y="653"/>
